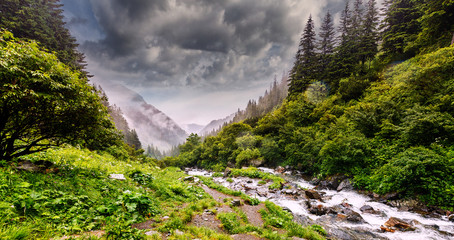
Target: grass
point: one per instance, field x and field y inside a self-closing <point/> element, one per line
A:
<point x="78" y="196"/>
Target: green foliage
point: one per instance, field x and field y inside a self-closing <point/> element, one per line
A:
<point x="44" y="103"/>
<point x="417" y="171"/>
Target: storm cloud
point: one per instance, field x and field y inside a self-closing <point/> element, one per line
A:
<point x="217" y="44"/>
<point x="202" y="45"/>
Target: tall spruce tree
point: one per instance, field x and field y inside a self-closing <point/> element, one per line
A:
<point x="400" y="27"/>
<point x="369" y="37"/>
<point x="326" y="46"/>
<point x="304" y="69"/>
<point x="42" y="20"/>
<point x="344" y="58"/>
<point x="437" y="24"/>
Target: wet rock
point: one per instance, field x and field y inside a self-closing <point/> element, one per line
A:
<point x="318" y="210"/>
<point x="344" y="212"/>
<point x="256" y="162"/>
<point x="312" y="194"/>
<point x="399" y="224"/>
<point x="345" y="185"/>
<point x="280" y="169"/>
<point x="371" y="210"/>
<point x="367" y="209"/>
<point x="315" y="181"/>
<point x="388" y="197"/>
<point x="303" y="220"/>
<point x="451" y="218"/>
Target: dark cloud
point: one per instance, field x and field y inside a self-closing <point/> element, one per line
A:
<point x="204" y="43"/>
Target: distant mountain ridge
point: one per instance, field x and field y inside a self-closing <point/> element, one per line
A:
<point x="216" y="125"/>
<point x="153" y="127"/>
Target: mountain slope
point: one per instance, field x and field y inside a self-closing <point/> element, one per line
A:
<point x="152" y="125"/>
<point x="216" y="124"/>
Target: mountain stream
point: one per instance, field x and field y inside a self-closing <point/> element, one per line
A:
<point x="345" y="214"/>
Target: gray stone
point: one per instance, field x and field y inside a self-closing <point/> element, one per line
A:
<point x="451" y="218"/>
<point x="345" y="185"/>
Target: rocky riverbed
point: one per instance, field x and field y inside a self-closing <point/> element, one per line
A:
<point x="343" y="212"/>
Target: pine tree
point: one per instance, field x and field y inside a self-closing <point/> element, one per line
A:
<point x="369" y="37"/>
<point x="326" y="46"/>
<point x="42" y="21"/>
<point x="344" y="58"/>
<point x="400" y="27"/>
<point x="437" y="24"/>
<point x="304" y="68"/>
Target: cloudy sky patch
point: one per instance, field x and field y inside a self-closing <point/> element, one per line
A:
<point x="205" y="57"/>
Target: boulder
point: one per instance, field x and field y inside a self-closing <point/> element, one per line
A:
<point x="188" y="178"/>
<point x="318" y="210"/>
<point x="38" y="166"/>
<point x="451" y="217"/>
<point x="312" y="194"/>
<point x="345" y="185"/>
<point x="280" y="169"/>
<point x="399" y="224"/>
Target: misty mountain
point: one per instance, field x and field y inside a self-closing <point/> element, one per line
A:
<point x="215" y="125"/>
<point x="192" y="128"/>
<point x="152" y="126"/>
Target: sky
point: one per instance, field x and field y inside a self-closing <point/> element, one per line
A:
<point x="195" y="60"/>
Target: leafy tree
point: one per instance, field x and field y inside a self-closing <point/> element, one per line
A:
<point x="304" y="68"/>
<point x="44" y="103"/>
<point x="41" y="21"/>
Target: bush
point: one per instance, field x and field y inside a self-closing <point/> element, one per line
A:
<point x="418" y="171"/>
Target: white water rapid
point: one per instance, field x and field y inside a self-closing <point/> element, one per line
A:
<point x="426" y="228"/>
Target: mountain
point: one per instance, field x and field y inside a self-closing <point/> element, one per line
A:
<point x="192" y="128"/>
<point x="152" y="125"/>
<point x="216" y="124"/>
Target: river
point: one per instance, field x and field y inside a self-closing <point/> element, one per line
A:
<point x="367" y="226"/>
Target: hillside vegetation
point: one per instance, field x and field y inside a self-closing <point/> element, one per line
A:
<point x="384" y="119"/>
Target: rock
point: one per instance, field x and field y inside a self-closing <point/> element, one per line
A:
<point x="345" y="185"/>
<point x="227" y="172"/>
<point x="280" y="169"/>
<point x="353" y="216"/>
<point x="370" y="210"/>
<point x="188" y="178"/>
<point x="151" y="233"/>
<point x="256" y="162"/>
<point x="38" y="166"/>
<point x="315" y="181"/>
<point x="178" y="232"/>
<point x="303" y="220"/>
<point x="165" y="218"/>
<point x="117" y="176"/>
<point x="451" y="218"/>
<point x="399" y="224"/>
<point x="236" y="203"/>
<point x="312" y="194"/>
<point x="318" y="210"/>
<point x="286" y="209"/>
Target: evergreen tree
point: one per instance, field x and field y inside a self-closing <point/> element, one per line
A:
<point x="437" y="24"/>
<point x="326" y="46"/>
<point x="42" y="20"/>
<point x="400" y="28"/>
<point x="369" y="38"/>
<point x="304" y="69"/>
<point x="344" y="58"/>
